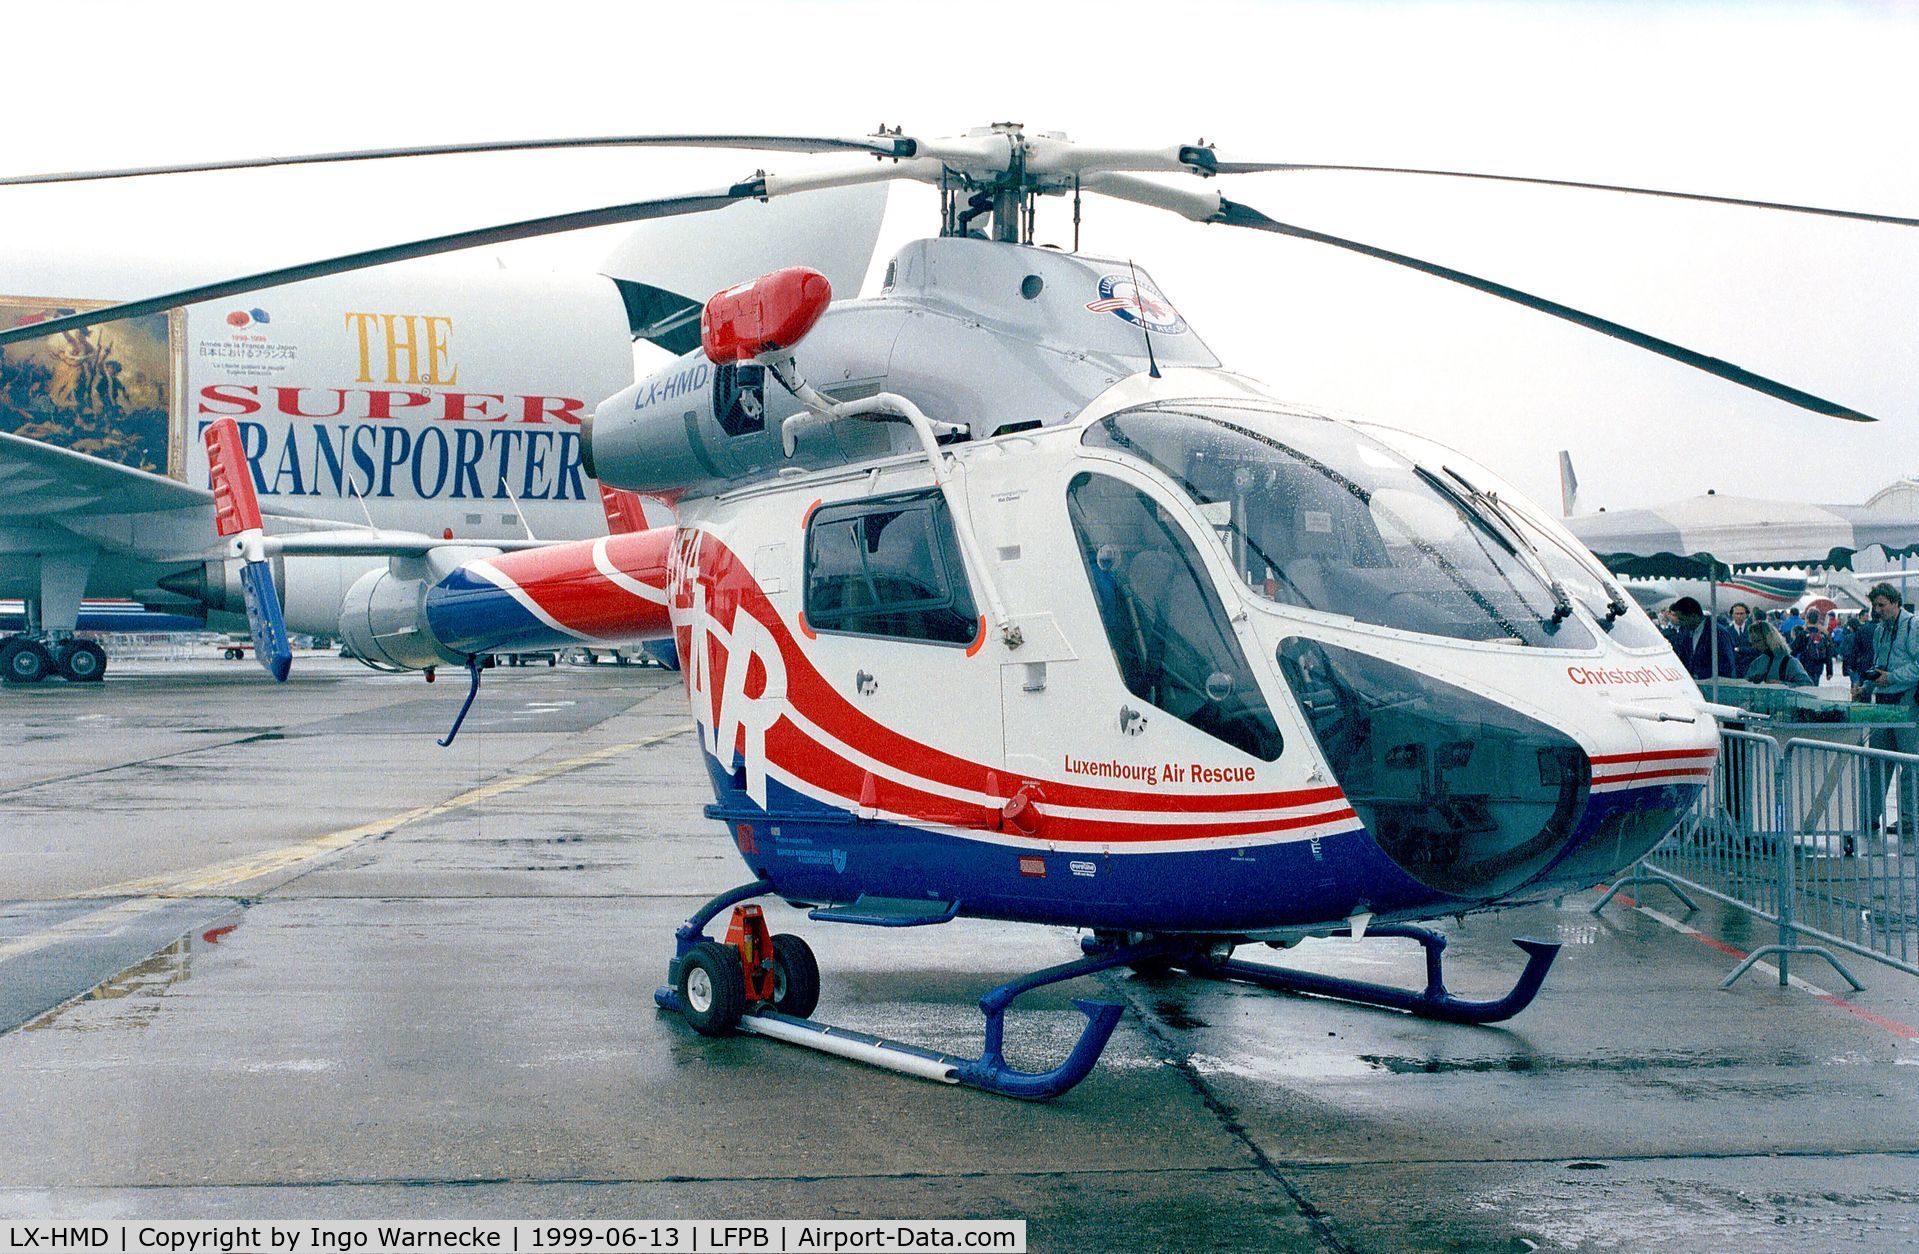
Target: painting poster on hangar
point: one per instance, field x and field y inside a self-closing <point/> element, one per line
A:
<point x="100" y="390"/>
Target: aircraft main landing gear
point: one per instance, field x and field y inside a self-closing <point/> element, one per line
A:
<point x="767" y="985"/>
<point x="30" y="659"/>
<point x="24" y="660"/>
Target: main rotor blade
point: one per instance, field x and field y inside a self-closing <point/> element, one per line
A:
<point x="1209" y="206"/>
<point x="1234" y="214"/>
<point x="759" y="187"/>
<point x="901" y="147"/>
<point x="1261" y="167"/>
<point x="638" y="211"/>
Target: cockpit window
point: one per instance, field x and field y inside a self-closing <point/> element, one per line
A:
<point x="1604" y="597"/>
<point x="1167" y="628"/>
<point x="1315" y="514"/>
<point x="1581" y="574"/>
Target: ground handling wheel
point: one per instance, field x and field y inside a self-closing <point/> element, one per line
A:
<point x="712" y="988"/>
<point x="27" y="662"/>
<point x="796" y="976"/>
<point x="81" y="661"/>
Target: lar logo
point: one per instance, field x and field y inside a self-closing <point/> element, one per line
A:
<point x="247" y="317"/>
<point x="1139" y="303"/>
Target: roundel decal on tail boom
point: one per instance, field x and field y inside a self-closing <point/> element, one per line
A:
<point x="1139" y="302"/>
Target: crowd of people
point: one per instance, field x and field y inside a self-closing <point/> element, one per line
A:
<point x="1877" y="650"/>
<point x="1798" y="649"/>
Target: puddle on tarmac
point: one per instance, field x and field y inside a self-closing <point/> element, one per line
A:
<point x="1528" y="1062"/>
<point x="141" y="986"/>
<point x="1176" y="1015"/>
<point x="1279" y="1067"/>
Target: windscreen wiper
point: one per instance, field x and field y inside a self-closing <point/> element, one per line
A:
<point x="1616" y="606"/>
<point x="1616" y="603"/>
<point x="1485" y="510"/>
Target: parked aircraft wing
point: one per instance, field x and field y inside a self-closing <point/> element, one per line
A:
<point x="101" y="501"/>
<point x="360" y="542"/>
<point x="41" y="482"/>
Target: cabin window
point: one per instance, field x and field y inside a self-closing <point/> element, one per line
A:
<point x="889" y="567"/>
<point x="1165" y="623"/>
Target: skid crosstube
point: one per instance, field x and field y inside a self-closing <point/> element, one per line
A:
<point x="990" y="1071"/>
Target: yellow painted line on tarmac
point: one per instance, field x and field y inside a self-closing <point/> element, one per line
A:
<point x="222" y="877"/>
<point x="90" y="924"/>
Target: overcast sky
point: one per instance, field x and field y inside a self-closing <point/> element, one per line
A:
<point x="1806" y="102"/>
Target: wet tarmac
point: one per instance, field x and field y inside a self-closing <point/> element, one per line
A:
<point x="270" y="953"/>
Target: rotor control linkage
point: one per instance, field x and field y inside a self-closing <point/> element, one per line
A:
<point x="990" y="1071"/>
<point x="1432" y="1002"/>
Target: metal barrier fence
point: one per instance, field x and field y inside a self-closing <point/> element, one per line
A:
<point x="1818" y="837"/>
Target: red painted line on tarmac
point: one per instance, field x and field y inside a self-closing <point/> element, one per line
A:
<point x="1891" y="1025"/>
<point x="1902" y="1030"/>
<point x="1732" y="951"/>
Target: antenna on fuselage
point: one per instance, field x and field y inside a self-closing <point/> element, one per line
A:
<point x="1139" y="307"/>
<point x="1076" y="213"/>
<point x="354" y="489"/>
<point x="524" y="525"/>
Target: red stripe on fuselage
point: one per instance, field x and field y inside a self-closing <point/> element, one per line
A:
<point x="1663" y="755"/>
<point x="1670" y="773"/>
<point x="800" y="756"/>
<point x="730" y="589"/>
<point x="564" y="581"/>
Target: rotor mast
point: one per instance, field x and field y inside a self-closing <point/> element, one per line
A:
<point x="1005" y="197"/>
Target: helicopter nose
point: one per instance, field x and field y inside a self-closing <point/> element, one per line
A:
<point x="1634" y="799"/>
<point x="1469" y="797"/>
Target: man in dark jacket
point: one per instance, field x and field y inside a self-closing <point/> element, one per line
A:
<point x="1698" y="640"/>
<point x="1858" y="655"/>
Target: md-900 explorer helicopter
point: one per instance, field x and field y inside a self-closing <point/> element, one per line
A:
<point x="999" y="597"/>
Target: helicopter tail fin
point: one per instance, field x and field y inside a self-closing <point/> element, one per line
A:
<point x="1568" y="485"/>
<point x="624" y="513"/>
<point x="236" y="514"/>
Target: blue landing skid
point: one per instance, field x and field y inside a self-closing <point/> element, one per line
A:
<point x="1432" y="1002"/>
<point x="990" y="1071"/>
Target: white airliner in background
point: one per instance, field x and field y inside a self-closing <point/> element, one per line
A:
<point x="438" y="401"/>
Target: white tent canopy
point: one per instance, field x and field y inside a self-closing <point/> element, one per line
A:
<point x="1693" y="537"/>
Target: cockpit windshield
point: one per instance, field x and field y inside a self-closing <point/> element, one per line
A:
<point x="1316" y="514"/>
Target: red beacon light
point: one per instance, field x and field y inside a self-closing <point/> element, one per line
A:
<point x="763" y="315"/>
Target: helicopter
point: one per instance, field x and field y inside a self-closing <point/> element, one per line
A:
<point x="998" y="596"/>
